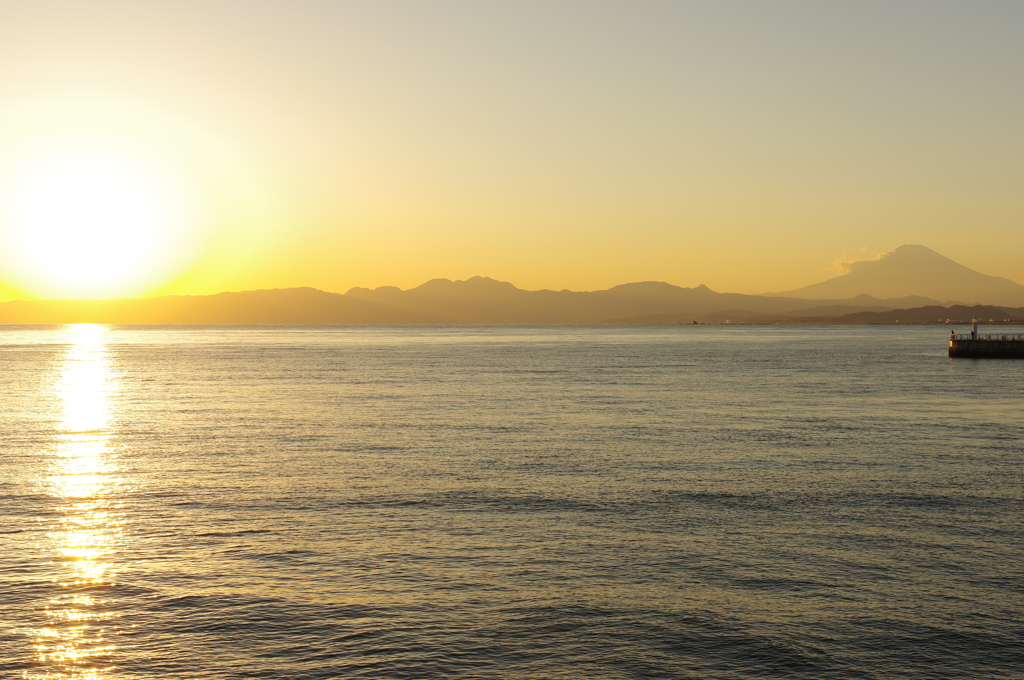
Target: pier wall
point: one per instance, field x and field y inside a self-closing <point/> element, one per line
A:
<point x="987" y="349"/>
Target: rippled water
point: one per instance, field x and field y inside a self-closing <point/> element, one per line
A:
<point x="508" y="502"/>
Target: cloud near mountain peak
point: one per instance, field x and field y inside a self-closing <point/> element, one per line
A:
<point x="844" y="264"/>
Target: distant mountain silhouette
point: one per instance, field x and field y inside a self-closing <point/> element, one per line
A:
<point x="915" y="270"/>
<point x="909" y="277"/>
<point x="954" y="314"/>
<point x="840" y="314"/>
<point x="483" y="300"/>
<point x="440" y="301"/>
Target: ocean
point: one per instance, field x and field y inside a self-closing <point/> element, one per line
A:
<point x="508" y="502"/>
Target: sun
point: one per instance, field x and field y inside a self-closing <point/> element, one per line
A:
<point x="92" y="220"/>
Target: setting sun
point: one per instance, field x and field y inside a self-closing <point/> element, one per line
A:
<point x="86" y="220"/>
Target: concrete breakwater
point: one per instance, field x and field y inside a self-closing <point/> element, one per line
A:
<point x="987" y="346"/>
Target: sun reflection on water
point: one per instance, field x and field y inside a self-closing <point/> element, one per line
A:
<point x="83" y="480"/>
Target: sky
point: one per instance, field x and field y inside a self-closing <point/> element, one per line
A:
<point x="195" y="147"/>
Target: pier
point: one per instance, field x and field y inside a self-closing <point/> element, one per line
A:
<point x="986" y="345"/>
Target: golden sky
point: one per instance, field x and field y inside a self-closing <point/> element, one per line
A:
<point x="194" y="147"/>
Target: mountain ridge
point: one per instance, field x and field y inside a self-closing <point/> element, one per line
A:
<point x="443" y="302"/>
<point x="483" y="300"/>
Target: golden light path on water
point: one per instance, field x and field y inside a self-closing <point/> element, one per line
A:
<point x="83" y="480"/>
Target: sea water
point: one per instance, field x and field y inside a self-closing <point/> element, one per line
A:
<point x="508" y="502"/>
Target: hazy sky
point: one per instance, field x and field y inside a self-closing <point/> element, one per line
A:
<point x="749" y="146"/>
